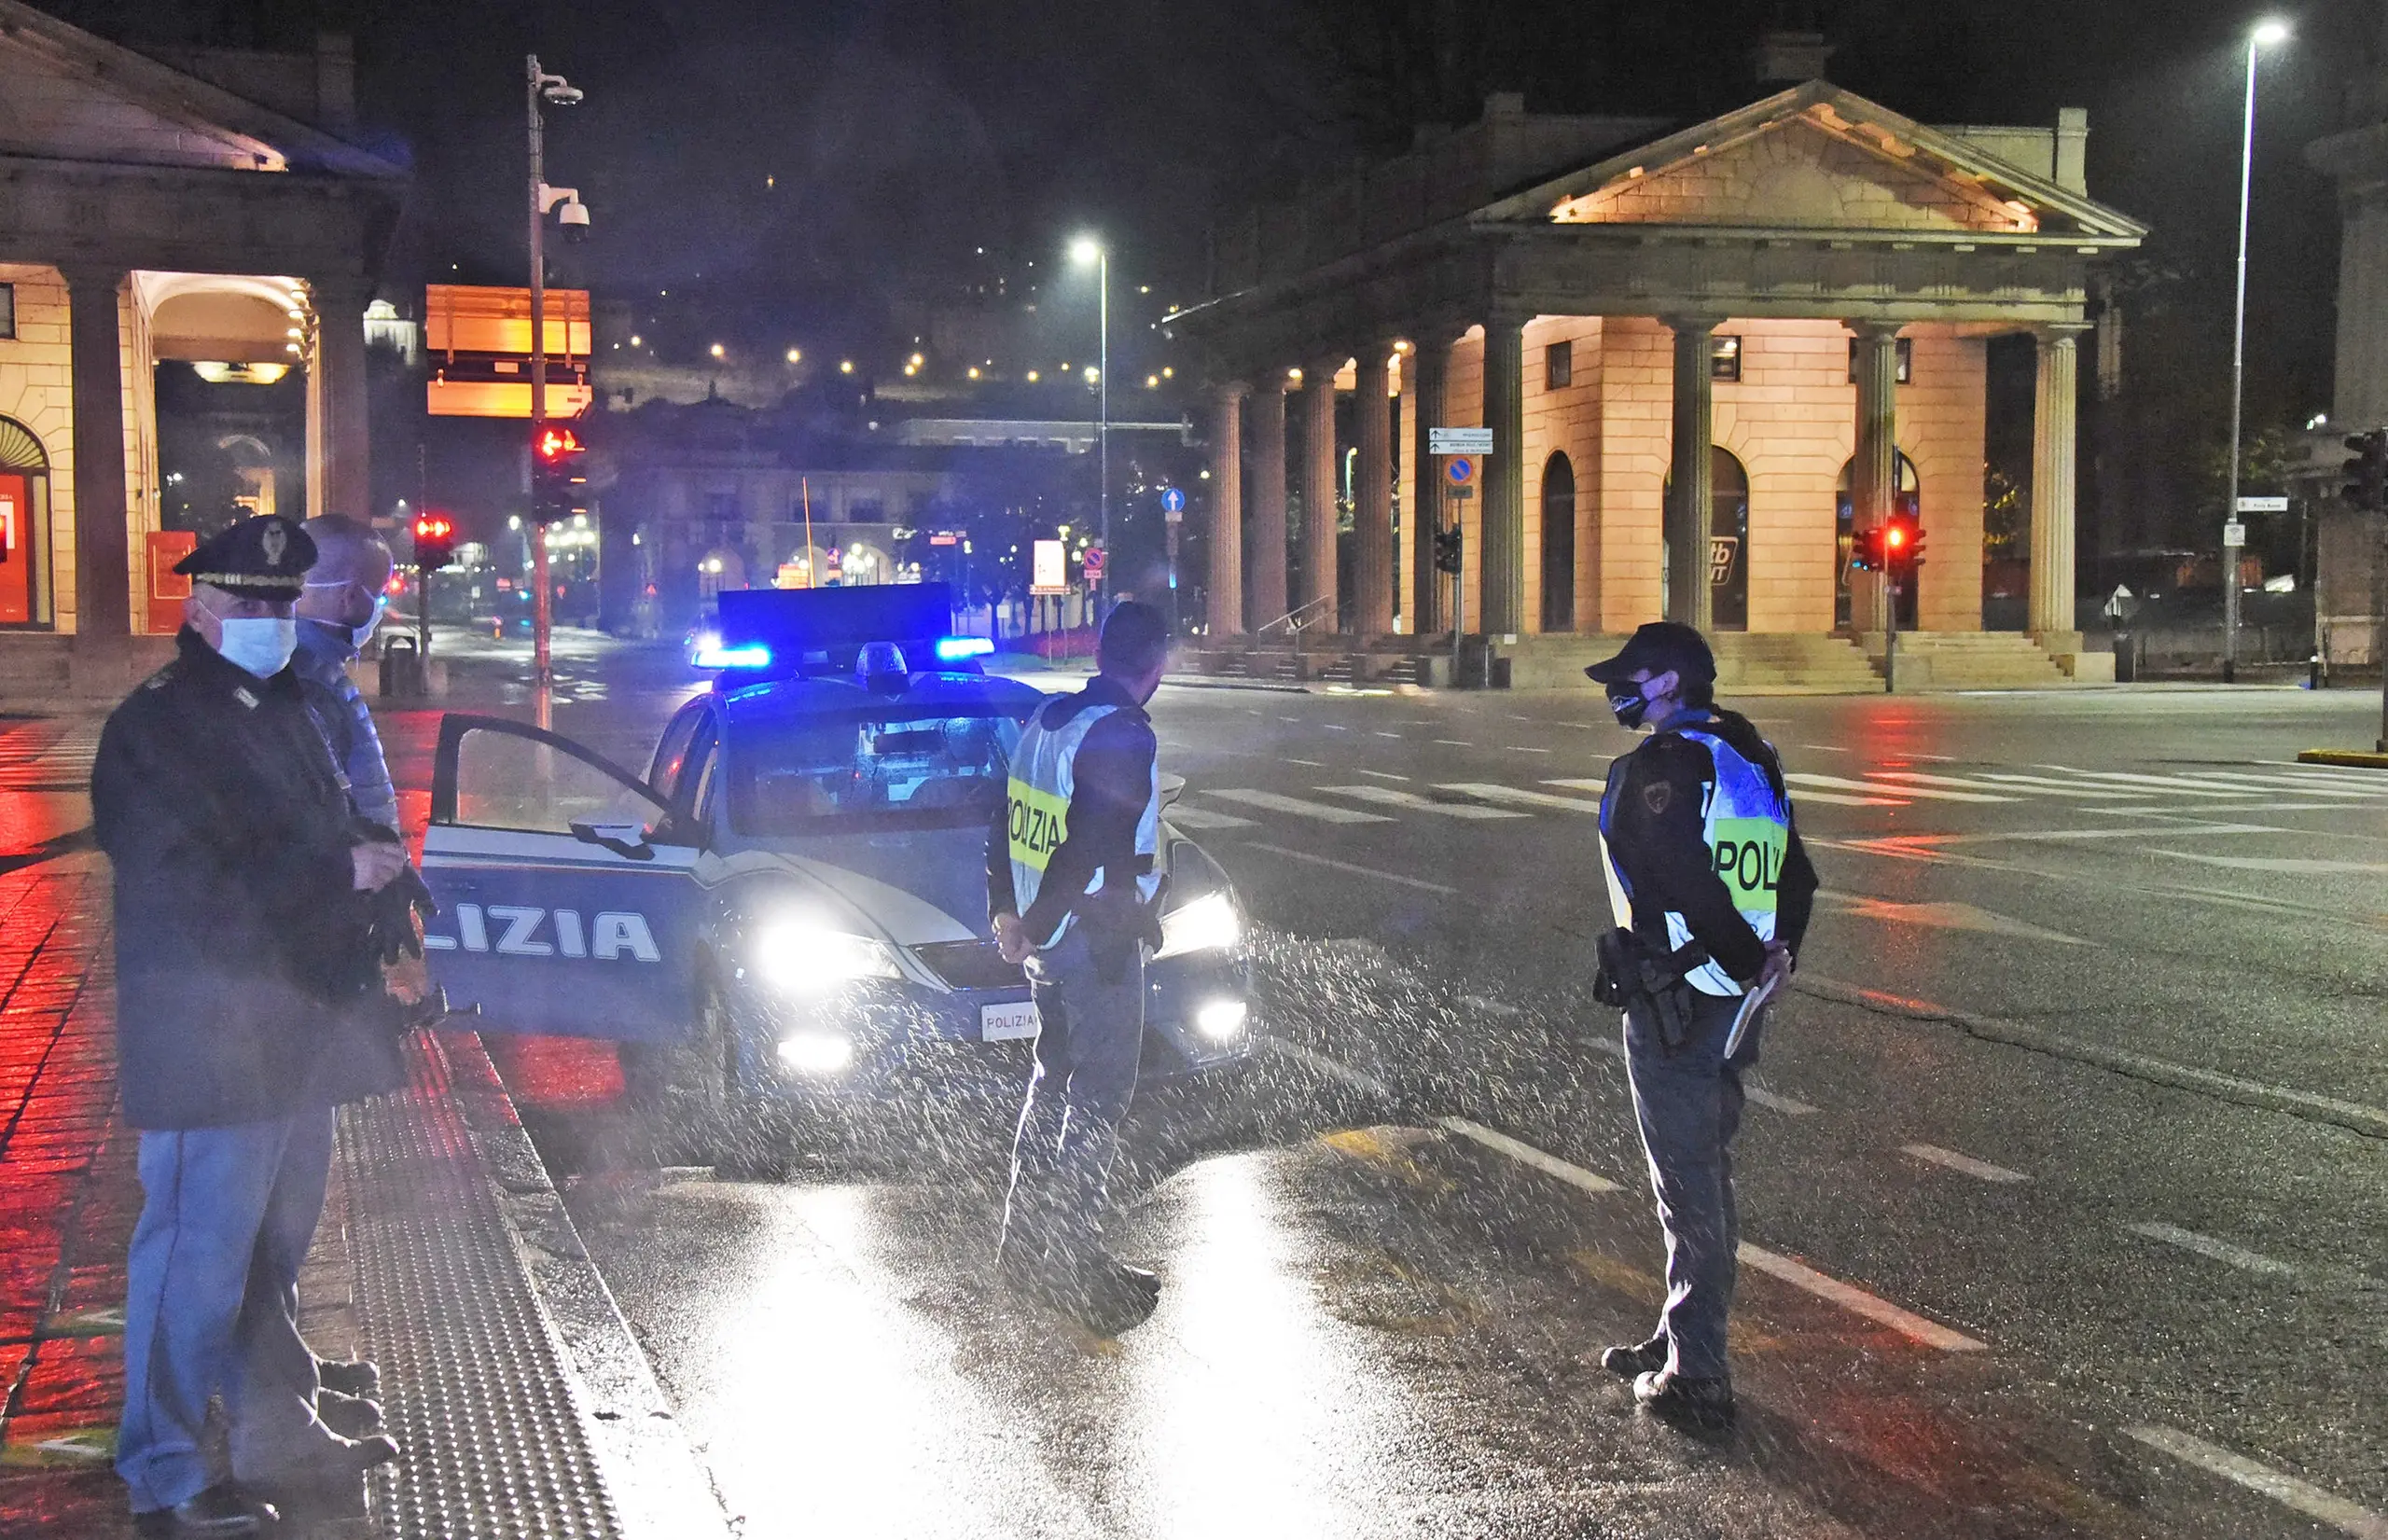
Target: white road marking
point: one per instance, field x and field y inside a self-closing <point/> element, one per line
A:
<point x="2288" y="1491"/>
<point x="1381" y="733"/>
<point x="2124" y="778"/>
<point x="1946" y="914"/>
<point x="2151" y="808"/>
<point x="1271" y="801"/>
<point x="1488" y="1005"/>
<point x="1966" y="1163"/>
<point x="1335" y="727"/>
<point x="1931" y="1334"/>
<point x="1842" y="800"/>
<point x="1394" y="796"/>
<point x="1204" y="818"/>
<point x="2301" y="782"/>
<point x="1334" y="1069"/>
<point x="1353" y="869"/>
<point x="2047" y="785"/>
<point x="1577" y="783"/>
<point x="1523" y="797"/>
<point x="1526" y="1155"/>
<point x="1826" y="748"/>
<point x="1314" y="763"/>
<point x="2284" y="864"/>
<point x="2206" y="1246"/>
<point x="1381" y="775"/>
<point x="2004" y="783"/>
<point x="1520" y="748"/>
<point x="1842" y="782"/>
<point x="1775" y="1100"/>
<point x="1455" y="743"/>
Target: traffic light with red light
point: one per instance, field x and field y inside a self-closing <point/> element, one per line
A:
<point x="558" y="482"/>
<point x="2367" y="471"/>
<point x="435" y="542"/>
<point x="1902" y="545"/>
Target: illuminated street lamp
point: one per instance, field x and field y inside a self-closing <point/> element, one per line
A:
<point x="1086" y="251"/>
<point x="2267" y="33"/>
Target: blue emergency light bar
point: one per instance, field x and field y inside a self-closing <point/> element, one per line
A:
<point x="719" y="657"/>
<point x="790" y="623"/>
<point x="953" y="649"/>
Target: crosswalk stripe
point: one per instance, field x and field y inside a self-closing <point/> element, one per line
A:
<point x="2037" y="783"/>
<point x="1206" y="818"/>
<point x="2004" y="783"/>
<point x="2125" y="778"/>
<point x="1272" y="802"/>
<point x="1577" y="782"/>
<point x="2332" y="784"/>
<point x="1394" y="796"/>
<point x="1842" y="782"/>
<point x="1842" y="800"/>
<point x="1518" y="795"/>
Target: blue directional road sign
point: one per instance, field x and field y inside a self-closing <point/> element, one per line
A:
<point x="1172" y="500"/>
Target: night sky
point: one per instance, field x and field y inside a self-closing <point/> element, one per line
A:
<point x="807" y="158"/>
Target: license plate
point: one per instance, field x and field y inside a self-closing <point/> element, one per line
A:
<point x="1008" y="1023"/>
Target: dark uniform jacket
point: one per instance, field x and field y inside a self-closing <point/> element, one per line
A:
<point x="240" y="937"/>
<point x="1659" y="841"/>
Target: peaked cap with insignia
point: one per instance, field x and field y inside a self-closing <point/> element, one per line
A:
<point x="263" y="557"/>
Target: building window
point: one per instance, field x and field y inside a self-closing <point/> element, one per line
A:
<point x="1907" y="359"/>
<point x="1559" y="365"/>
<point x="866" y="513"/>
<point x="722" y="507"/>
<point x="7" y="309"/>
<point x="1725" y="360"/>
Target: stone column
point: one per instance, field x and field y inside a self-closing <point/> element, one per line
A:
<point x="1268" y="531"/>
<point x="1226" y="607"/>
<point x="339" y="470"/>
<point x="1505" y="483"/>
<point x="1372" y="493"/>
<point x="2053" y="419"/>
<point x="1423" y="373"/>
<point x="1318" y="492"/>
<point x="102" y="541"/>
<point x="1691" y="474"/>
<point x="1874" y="476"/>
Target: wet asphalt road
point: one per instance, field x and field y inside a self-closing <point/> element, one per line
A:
<point x="2069" y="1180"/>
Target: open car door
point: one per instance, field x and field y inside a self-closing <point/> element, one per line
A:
<point x="566" y="901"/>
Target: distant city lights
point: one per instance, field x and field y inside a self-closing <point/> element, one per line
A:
<point x="845" y="366"/>
<point x="716" y="349"/>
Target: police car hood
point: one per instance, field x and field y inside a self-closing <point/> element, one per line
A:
<point x="915" y="888"/>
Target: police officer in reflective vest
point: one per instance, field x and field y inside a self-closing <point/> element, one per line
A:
<point x="1712" y="892"/>
<point x="1072" y="893"/>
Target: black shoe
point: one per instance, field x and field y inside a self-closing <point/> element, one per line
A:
<point x="348" y="1376"/>
<point x="1679" y="1397"/>
<point x="1638" y="1360"/>
<point x="328" y="1462"/>
<point x="1114" y="1298"/>
<point x="219" y="1513"/>
<point x="350" y="1416"/>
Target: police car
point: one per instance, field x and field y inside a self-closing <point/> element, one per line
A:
<point x="786" y="914"/>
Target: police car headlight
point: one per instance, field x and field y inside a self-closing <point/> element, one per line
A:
<point x="806" y="957"/>
<point x="1222" y="1020"/>
<point x="1209" y="923"/>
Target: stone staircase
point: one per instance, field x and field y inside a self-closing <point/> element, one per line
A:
<point x="1781" y="664"/>
<point x="34" y="668"/>
<point x="1971" y="661"/>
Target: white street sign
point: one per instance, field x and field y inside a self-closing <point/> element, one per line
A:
<point x="2234" y="534"/>
<point x="1049" y="573"/>
<point x="1459" y="440"/>
<point x="2263" y="505"/>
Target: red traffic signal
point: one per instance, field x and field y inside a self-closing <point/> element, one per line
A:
<point x="435" y="541"/>
<point x="559" y="485"/>
<point x="556" y="445"/>
<point x="1902" y="543"/>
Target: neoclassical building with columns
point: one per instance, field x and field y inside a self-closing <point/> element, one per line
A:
<point x="212" y="208"/>
<point x="1742" y="339"/>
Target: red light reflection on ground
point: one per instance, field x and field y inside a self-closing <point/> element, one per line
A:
<point x="557" y="1072"/>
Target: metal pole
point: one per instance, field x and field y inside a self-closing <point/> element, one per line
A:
<point x="1891" y="636"/>
<point x="1103" y="429"/>
<point x="1459" y="618"/>
<point x="2238" y="368"/>
<point x="542" y="659"/>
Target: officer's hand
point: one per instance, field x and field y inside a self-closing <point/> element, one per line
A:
<point x="1012" y="940"/>
<point x="1777" y="970"/>
<point x="376" y="865"/>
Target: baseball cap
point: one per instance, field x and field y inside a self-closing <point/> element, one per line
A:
<point x="1658" y="646"/>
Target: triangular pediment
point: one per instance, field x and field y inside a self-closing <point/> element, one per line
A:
<point x="1818" y="160"/>
<point x="68" y="95"/>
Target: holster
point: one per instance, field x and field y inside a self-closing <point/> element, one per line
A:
<point x="1117" y="924"/>
<point x="1633" y="973"/>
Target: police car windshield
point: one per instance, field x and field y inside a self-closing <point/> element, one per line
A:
<point x="900" y="768"/>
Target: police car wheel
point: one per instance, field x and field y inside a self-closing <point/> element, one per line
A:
<point x="683" y="1091"/>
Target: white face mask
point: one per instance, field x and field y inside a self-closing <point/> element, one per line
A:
<point x="261" y="643"/>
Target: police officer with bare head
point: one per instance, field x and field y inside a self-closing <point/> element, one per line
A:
<point x="1712" y="891"/>
<point x="1072" y="892"/>
<point x="245" y="903"/>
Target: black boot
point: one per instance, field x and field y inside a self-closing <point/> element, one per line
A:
<point x="1680" y="1398"/>
<point x="1628" y="1363"/>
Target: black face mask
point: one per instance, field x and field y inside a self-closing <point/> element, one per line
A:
<point x="1627" y="704"/>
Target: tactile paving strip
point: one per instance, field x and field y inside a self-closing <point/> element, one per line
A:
<point x="474" y="1382"/>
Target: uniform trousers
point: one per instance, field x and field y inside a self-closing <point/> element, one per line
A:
<point x="1089" y="1036"/>
<point x="212" y="1301"/>
<point x="1688" y="1103"/>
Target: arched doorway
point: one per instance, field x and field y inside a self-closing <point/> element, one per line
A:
<point x="1728" y="541"/>
<point x="1558" y="544"/>
<point x="1908" y="499"/>
<point x="25" y="528"/>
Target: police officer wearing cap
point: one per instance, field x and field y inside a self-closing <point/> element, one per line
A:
<point x="245" y="902"/>
<point x="1712" y="891"/>
<point x="1070" y="889"/>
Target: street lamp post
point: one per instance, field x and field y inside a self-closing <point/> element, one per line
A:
<point x="2265" y="34"/>
<point x="1083" y="251"/>
<point x="540" y="86"/>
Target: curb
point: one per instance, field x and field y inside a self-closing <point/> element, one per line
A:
<point x="523" y="1403"/>
<point x="2345" y="759"/>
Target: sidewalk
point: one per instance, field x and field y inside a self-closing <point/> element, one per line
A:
<point x="444" y="1254"/>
